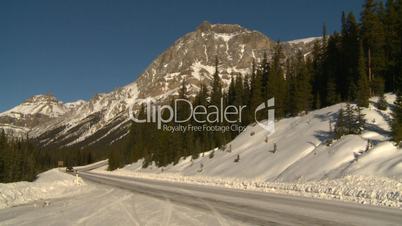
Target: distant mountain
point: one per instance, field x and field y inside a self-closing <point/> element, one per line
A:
<point x="33" y="112"/>
<point x="103" y="119"/>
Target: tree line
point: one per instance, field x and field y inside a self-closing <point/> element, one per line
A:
<point x="21" y="159"/>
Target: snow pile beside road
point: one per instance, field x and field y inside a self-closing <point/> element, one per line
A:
<point x="372" y="190"/>
<point x="50" y="184"/>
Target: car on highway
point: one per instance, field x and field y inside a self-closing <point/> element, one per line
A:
<point x="69" y="169"/>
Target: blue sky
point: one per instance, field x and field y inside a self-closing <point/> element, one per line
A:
<point x="75" y="49"/>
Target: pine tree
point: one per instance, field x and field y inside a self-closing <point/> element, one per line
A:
<point x="216" y="92"/>
<point x="362" y="87"/>
<point x="265" y="68"/>
<point x="349" y="57"/>
<point x="340" y="126"/>
<point x="332" y="75"/>
<point x="300" y="94"/>
<point x="398" y="74"/>
<point x="372" y="33"/>
<point x="239" y="91"/>
<point x="231" y="92"/>
<point x="3" y="153"/>
<point x="216" y="97"/>
<point x="183" y="113"/>
<point x="202" y="137"/>
<point x="392" y="24"/>
<point x="397" y="120"/>
<point x="276" y="82"/>
<point x="350" y="119"/>
<point x="317" y="73"/>
<point x="360" y="122"/>
<point x="331" y="97"/>
<point x="247" y="117"/>
<point x="382" y="103"/>
<point x="256" y="95"/>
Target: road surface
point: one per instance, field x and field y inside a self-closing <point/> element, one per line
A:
<point x="257" y="208"/>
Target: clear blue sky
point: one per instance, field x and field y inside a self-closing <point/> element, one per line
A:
<point x="77" y="48"/>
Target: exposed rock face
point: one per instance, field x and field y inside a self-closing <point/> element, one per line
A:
<point x="193" y="57"/>
<point x="105" y="116"/>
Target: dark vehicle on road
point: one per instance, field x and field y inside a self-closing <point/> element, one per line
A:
<point x="69" y="169"/>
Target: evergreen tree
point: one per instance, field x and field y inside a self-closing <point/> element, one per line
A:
<point x="183" y="113"/>
<point x="216" y="97"/>
<point x="340" y="126"/>
<point x="360" y="122"/>
<point x="239" y="91"/>
<point x="256" y="95"/>
<point x="332" y="74"/>
<point x="393" y="31"/>
<point x="349" y="121"/>
<point x="317" y="74"/>
<point x="216" y="92"/>
<point x="331" y="94"/>
<point x="300" y="95"/>
<point x="372" y="33"/>
<point x="350" y="54"/>
<point x="397" y="120"/>
<point x="3" y="153"/>
<point x="246" y="100"/>
<point x="231" y="92"/>
<point x="276" y="82"/>
<point x="265" y="68"/>
<point x="382" y="103"/>
<point x="363" y="87"/>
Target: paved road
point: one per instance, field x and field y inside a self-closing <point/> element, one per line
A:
<point x="256" y="208"/>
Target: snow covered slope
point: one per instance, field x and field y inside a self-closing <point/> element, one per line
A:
<point x="302" y="151"/>
<point x="304" y="40"/>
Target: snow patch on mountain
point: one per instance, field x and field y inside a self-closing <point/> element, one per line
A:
<point x="304" y="40"/>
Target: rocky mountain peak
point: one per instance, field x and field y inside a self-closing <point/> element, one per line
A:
<point x="43" y="98"/>
<point x="220" y="28"/>
<point x="193" y="57"/>
<point x="205" y="26"/>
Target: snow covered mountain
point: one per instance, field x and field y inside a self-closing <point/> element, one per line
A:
<point x="104" y="117"/>
<point x="33" y="112"/>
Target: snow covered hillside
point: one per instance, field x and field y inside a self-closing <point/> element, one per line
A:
<point x="302" y="151"/>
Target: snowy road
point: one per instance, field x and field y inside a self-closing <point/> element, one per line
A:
<point x="105" y="206"/>
<point x="254" y="207"/>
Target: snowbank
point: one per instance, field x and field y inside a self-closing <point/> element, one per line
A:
<point x="50" y="184"/>
<point x="371" y="190"/>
